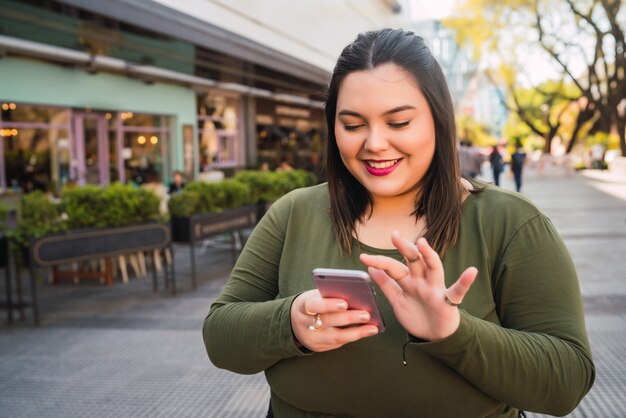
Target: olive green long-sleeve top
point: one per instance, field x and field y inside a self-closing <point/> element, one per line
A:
<point x="521" y="343"/>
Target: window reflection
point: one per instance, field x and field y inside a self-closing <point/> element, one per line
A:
<point x="218" y="130"/>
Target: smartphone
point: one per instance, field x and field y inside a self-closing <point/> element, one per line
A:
<point x="353" y="286"/>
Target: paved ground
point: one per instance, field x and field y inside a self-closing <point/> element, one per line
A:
<point x="127" y="351"/>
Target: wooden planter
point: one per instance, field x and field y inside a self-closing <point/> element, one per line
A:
<point x="199" y="227"/>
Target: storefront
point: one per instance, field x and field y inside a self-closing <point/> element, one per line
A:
<point x="129" y="91"/>
<point x="87" y="128"/>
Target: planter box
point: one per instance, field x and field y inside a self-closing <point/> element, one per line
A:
<point x="4" y="252"/>
<point x="201" y="226"/>
<point x="80" y="245"/>
<point x="206" y="225"/>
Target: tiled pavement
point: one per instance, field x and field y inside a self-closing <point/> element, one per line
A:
<point x="127" y="351"/>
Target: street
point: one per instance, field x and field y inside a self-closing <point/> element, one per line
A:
<point x="127" y="351"/>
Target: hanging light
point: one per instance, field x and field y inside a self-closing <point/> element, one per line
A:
<point x="5" y="106"/>
<point x="141" y="140"/>
<point x="154" y="139"/>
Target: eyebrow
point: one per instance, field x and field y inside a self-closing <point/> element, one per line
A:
<point x="389" y="112"/>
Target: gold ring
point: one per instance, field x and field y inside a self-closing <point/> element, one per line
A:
<point x="306" y="311"/>
<point x="317" y="323"/>
<point x="410" y="260"/>
<point x="449" y="301"/>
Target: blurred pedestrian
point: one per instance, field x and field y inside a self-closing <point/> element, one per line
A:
<point x="518" y="159"/>
<point x="497" y="164"/>
<point x="284" y="166"/>
<point x="177" y="184"/>
<point x="466" y="161"/>
<point x="477" y="159"/>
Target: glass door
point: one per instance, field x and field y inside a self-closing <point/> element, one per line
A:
<point x="92" y="148"/>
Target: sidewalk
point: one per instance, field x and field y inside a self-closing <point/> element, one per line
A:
<point x="127" y="351"/>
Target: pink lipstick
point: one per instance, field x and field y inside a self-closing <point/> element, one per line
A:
<point x="381" y="167"/>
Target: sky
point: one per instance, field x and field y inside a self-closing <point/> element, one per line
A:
<point x="430" y="9"/>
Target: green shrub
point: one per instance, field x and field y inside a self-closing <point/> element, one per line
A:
<point x="235" y="194"/>
<point x="260" y="183"/>
<point x="202" y="197"/>
<point x="86" y="207"/>
<point x="270" y="186"/>
<point x="4" y="217"/>
<point x="210" y="195"/>
<point x="38" y="217"/>
<point x="185" y="203"/>
<point x="129" y="205"/>
<point x="114" y="205"/>
<point x="247" y="187"/>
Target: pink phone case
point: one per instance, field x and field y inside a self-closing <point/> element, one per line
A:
<point x="354" y="286"/>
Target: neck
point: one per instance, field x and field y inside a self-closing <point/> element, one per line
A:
<point x="403" y="205"/>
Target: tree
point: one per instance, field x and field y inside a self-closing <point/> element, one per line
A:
<point x="584" y="41"/>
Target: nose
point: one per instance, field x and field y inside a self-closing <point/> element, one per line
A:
<point x="376" y="140"/>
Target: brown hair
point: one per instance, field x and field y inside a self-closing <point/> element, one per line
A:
<point x="440" y="191"/>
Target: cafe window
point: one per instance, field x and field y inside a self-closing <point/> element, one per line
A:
<point x="35" y="153"/>
<point x="219" y="131"/>
<point x="145" y="141"/>
<point x="288" y="133"/>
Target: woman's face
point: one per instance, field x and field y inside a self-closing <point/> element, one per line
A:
<point x="385" y="131"/>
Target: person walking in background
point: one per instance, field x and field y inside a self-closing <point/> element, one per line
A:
<point x="477" y="159"/>
<point x="518" y="159"/>
<point x="497" y="164"/>
<point x="465" y="159"/>
<point x="479" y="295"/>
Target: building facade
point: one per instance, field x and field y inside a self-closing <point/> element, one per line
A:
<point x="94" y="92"/>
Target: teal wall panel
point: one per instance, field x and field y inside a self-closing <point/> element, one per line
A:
<point x="31" y="81"/>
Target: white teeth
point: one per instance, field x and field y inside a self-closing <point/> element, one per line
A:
<point x="382" y="164"/>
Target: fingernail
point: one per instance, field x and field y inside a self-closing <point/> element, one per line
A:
<point x="373" y="331"/>
<point x="342" y="305"/>
<point x="364" y="316"/>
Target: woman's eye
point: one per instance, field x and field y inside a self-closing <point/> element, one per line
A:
<point x="398" y="124"/>
<point x="351" y="127"/>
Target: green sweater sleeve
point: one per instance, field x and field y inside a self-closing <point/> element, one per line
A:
<point x="247" y="329"/>
<point x="539" y="358"/>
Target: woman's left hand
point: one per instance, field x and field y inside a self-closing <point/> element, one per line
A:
<point x="417" y="290"/>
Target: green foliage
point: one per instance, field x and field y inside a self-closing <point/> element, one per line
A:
<point x="269" y="186"/>
<point x="235" y="194"/>
<point x="247" y="187"/>
<point x="471" y="130"/>
<point x="260" y="183"/>
<point x="115" y="205"/>
<point x="202" y="197"/>
<point x="38" y="217"/>
<point x="4" y="216"/>
<point x="86" y="207"/>
<point x="130" y="205"/>
<point x="185" y="203"/>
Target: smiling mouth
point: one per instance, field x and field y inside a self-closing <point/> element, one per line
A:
<point x="382" y="164"/>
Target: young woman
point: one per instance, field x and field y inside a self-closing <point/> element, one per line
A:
<point x="481" y="299"/>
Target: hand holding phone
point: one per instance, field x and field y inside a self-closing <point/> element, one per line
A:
<point x="355" y="287"/>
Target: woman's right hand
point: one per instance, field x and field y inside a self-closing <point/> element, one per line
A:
<point x="316" y="322"/>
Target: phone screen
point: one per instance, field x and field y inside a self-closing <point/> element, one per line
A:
<point x="354" y="286"/>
